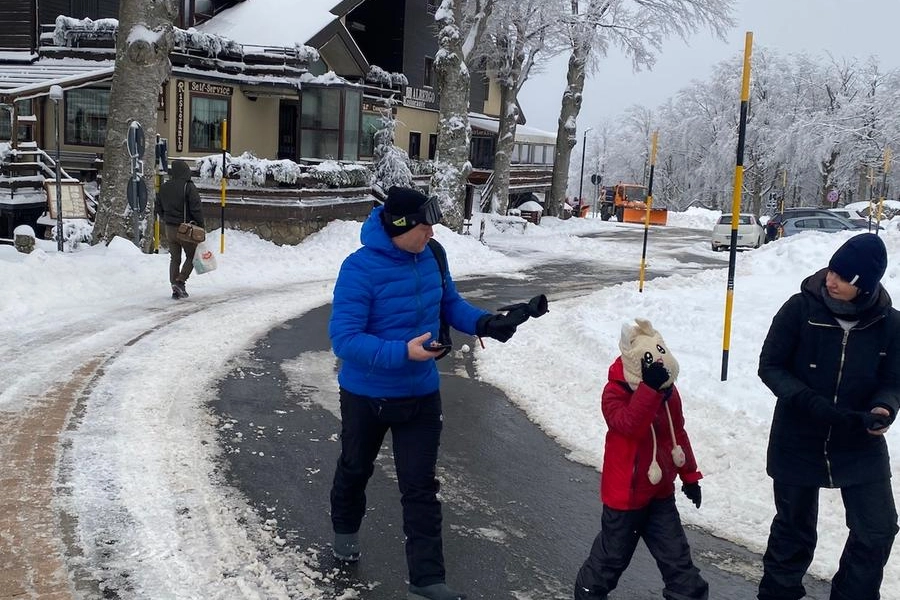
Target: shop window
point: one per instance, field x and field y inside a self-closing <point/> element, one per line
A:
<point x="428" y="77"/>
<point x="23" y="108"/>
<point x="330" y="123"/>
<point x="86" y="113"/>
<point x="207" y="114"/>
<point x="432" y="146"/>
<point x="415" y="145"/>
<point x="352" y="111"/>
<point x="371" y="123"/>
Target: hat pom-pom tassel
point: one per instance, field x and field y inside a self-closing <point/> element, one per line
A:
<point x="678" y="456"/>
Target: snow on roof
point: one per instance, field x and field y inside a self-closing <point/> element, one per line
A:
<point x="524" y="133"/>
<point x="22" y="81"/>
<point x="272" y="22"/>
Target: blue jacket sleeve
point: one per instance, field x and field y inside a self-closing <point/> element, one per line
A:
<point x="461" y="315"/>
<point x="353" y="297"/>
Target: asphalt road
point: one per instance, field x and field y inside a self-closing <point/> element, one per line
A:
<point x="519" y="517"/>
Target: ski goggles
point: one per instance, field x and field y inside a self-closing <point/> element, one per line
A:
<point x="428" y="214"/>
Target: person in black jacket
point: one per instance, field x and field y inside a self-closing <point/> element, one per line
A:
<point x="179" y="202"/>
<point x="832" y="359"/>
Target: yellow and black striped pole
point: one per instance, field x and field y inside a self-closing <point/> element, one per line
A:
<point x="884" y="174"/>
<point x="736" y="201"/>
<point x="224" y="183"/>
<point x="653" y="140"/>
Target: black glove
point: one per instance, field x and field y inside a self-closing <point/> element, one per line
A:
<point x="535" y="307"/>
<point x="499" y="327"/>
<point x="655" y="374"/>
<point x="874" y="421"/>
<point x="825" y="412"/>
<point x="692" y="491"/>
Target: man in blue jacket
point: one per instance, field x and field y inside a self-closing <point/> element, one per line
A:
<point x="389" y="298"/>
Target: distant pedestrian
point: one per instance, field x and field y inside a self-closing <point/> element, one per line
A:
<point x="832" y="359"/>
<point x="178" y="201"/>
<point x="389" y="300"/>
<point x="646" y="448"/>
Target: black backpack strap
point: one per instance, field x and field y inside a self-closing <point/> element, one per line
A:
<point x="440" y="256"/>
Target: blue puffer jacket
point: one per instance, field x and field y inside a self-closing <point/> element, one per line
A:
<point x="384" y="297"/>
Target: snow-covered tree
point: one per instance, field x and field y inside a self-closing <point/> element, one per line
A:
<point x="516" y="39"/>
<point x="142" y="64"/>
<point x="461" y="25"/>
<point x="635" y="26"/>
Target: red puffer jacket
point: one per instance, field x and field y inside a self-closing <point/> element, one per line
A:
<point x="635" y="419"/>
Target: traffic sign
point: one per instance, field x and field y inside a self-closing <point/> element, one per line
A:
<point x="832" y="196"/>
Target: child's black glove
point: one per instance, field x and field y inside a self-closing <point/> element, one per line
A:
<point x="692" y="491"/>
<point x="654" y="375"/>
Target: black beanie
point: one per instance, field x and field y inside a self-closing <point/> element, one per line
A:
<point x="401" y="202"/>
<point x="861" y="261"/>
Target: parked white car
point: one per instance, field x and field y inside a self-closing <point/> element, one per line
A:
<point x="750" y="233"/>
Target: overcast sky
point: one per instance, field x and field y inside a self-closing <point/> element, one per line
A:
<point x="788" y="26"/>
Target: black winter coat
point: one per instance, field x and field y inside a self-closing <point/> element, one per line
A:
<point x="178" y="200"/>
<point x="807" y="358"/>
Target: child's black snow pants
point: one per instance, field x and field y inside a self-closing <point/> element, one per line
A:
<point x="659" y="525"/>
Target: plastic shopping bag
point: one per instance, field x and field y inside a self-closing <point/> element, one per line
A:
<point x="204" y="259"/>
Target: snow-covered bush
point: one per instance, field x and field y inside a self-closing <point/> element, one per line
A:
<point x="336" y="175"/>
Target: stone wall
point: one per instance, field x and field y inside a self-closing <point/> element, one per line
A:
<point x="285" y="223"/>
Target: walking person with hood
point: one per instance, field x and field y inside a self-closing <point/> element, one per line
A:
<point x="832" y="359"/>
<point x="646" y="448"/>
<point x="389" y="300"/>
<point x="178" y="201"/>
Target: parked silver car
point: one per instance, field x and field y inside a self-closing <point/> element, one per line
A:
<point x="826" y="223"/>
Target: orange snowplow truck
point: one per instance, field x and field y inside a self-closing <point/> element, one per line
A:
<point x="627" y="203"/>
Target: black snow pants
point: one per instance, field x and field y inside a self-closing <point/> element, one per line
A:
<point x="872" y="519"/>
<point x="415" y="425"/>
<point x="659" y="525"/>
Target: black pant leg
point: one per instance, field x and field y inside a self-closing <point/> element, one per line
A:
<point x="361" y="436"/>
<point x="872" y="520"/>
<point x="416" y="443"/>
<point x="610" y="554"/>
<point x="667" y="543"/>
<point x="792" y="542"/>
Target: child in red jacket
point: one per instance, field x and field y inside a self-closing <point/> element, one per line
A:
<point x="646" y="447"/>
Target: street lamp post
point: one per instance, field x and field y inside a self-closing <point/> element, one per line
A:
<point x="56" y="94"/>
<point x="581" y="173"/>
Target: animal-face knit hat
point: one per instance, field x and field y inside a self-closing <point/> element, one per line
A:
<point x="641" y="343"/>
<point x="404" y="208"/>
<point x="861" y="262"/>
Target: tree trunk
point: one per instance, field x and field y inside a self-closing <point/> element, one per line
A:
<point x="565" y="133"/>
<point x="506" y="137"/>
<point x="452" y="166"/>
<point x="144" y="40"/>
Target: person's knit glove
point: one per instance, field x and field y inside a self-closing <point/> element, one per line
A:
<point x="692" y="491"/>
<point x="873" y="421"/>
<point x="654" y="375"/>
<point x="499" y="327"/>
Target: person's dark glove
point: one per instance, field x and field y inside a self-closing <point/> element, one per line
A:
<point x="824" y="411"/>
<point x="655" y="374"/>
<point x="692" y="491"/>
<point x="536" y="307"/>
<point x="499" y="327"/>
<point x="874" y="421"/>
